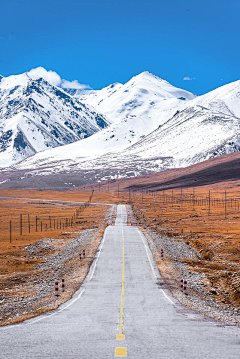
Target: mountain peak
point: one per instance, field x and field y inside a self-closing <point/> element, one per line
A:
<point x="148" y="83"/>
<point x="146" y="75"/>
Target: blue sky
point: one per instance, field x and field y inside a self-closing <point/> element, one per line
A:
<point x="101" y="42"/>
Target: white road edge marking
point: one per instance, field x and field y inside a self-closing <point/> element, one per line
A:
<point x="58" y="310"/>
<point x="90" y="275"/>
<point x="154" y="273"/>
<point x="97" y="256"/>
<point x="141" y="235"/>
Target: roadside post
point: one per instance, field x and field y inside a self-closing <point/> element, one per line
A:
<point x="56" y="289"/>
<point x="162" y="254"/>
<point x="184" y="286"/>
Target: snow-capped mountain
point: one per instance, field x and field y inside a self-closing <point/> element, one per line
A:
<point x="145" y="95"/>
<point x="170" y="133"/>
<point x="136" y="109"/>
<point x="139" y="121"/>
<point x="192" y="135"/>
<point x="35" y="116"/>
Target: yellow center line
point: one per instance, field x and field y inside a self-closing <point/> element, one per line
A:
<point x="121" y="351"/>
<point x="121" y="312"/>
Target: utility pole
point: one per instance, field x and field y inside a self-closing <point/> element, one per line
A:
<point x="209" y="203"/>
<point x="10" y="231"/>
<point x="29" y="224"/>
<point x="20" y="224"/>
<point x="181" y="199"/>
<point x="193" y="200"/>
<point x="225" y="204"/>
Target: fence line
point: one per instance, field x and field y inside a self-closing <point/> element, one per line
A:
<point x="37" y="223"/>
<point x="209" y="201"/>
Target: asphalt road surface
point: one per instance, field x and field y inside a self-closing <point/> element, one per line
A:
<point x="121" y="298"/>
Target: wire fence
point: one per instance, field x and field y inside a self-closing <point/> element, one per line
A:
<point x="29" y="224"/>
<point x="222" y="203"/>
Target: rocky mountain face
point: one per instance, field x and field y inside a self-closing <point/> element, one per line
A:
<point x="35" y="116"/>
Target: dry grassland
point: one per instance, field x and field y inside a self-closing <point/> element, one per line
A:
<point x="211" y="227"/>
<point x="76" y="196"/>
<point x="58" y="221"/>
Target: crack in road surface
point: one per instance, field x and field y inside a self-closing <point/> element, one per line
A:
<point x="86" y="326"/>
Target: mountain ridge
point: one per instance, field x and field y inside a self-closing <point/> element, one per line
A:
<point x="178" y="130"/>
<point x="143" y="95"/>
<point x="39" y="115"/>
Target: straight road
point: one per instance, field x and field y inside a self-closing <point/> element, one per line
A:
<point x="120" y="298"/>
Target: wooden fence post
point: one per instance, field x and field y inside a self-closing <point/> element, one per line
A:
<point x="193" y="200"/>
<point x="209" y="203"/>
<point x="225" y="204"/>
<point x="20" y="224"/>
<point x="29" y="224"/>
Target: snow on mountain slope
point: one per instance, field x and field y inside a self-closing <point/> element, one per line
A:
<point x="35" y="116"/>
<point x="192" y="135"/>
<point x="225" y="99"/>
<point x="112" y="139"/>
<point x="144" y="95"/>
